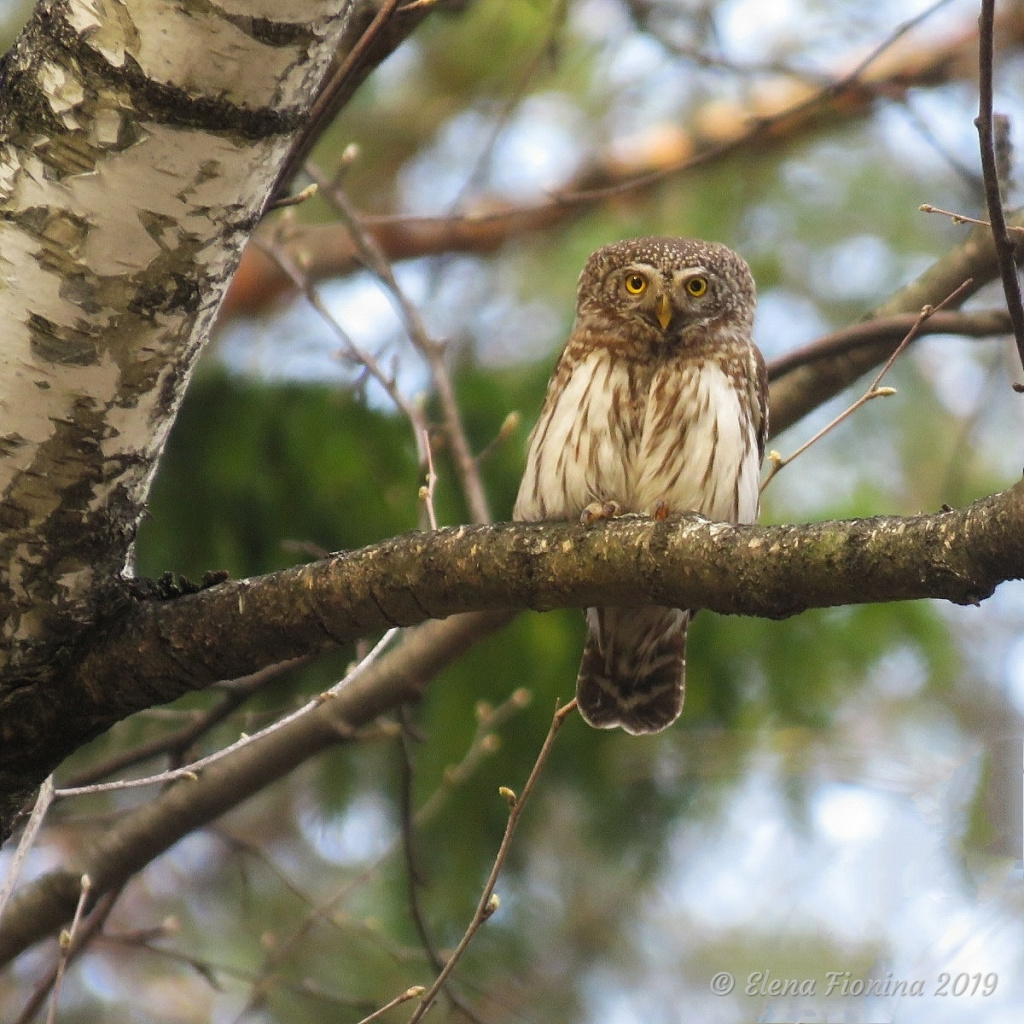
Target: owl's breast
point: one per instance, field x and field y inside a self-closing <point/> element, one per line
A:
<point x="616" y="430"/>
<point x="698" y="448"/>
<point x="585" y="444"/>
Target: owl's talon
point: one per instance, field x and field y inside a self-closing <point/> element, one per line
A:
<point x="597" y="510"/>
<point x="661" y="512"/>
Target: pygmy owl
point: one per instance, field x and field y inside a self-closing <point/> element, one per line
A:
<point x="658" y="404"/>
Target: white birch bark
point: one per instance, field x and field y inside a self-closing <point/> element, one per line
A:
<point x="138" y="142"/>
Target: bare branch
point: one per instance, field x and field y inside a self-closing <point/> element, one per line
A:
<point x="70" y="948"/>
<point x="374" y="32"/>
<point x="962" y="218"/>
<point x="177" y="743"/>
<point x="803" y="386"/>
<point x="874" y="390"/>
<point x="132" y="842"/>
<point x="482" y="745"/>
<point x="426" y="492"/>
<point x="35" y="823"/>
<point x="431" y="351"/>
<point x="958" y="555"/>
<point x="67" y="940"/>
<point x="765" y="120"/>
<point x="488" y="902"/>
<point x="190" y="771"/>
<point x="770" y="571"/>
<point x="990" y="170"/>
<point x="349" y="348"/>
<point x="889" y="330"/>
<point x="413" y="875"/>
<point x="410" y="993"/>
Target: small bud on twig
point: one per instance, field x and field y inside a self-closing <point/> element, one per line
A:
<point x="510" y="424"/>
<point x="522" y="697"/>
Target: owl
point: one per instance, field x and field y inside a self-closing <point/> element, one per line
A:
<point x="658" y="404"/>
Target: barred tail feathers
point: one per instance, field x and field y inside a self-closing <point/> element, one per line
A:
<point x="633" y="672"/>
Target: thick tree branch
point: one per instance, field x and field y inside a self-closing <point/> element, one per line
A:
<point x="167" y="647"/>
<point x="889" y="330"/>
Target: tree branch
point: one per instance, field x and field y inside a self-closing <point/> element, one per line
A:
<point x="889" y="330"/>
<point x="800" y="388"/>
<point x="990" y="169"/>
<point x="168" y="647"/>
<point x="131" y="843"/>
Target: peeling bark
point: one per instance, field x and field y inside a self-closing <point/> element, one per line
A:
<point x="138" y="142"/>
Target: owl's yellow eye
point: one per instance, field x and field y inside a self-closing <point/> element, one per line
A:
<point x="697" y="286"/>
<point x="636" y="284"/>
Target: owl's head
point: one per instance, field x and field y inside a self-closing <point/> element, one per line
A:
<point x="666" y="288"/>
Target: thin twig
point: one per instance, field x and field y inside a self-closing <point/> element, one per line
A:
<point x="83" y="936"/>
<point x="501" y="119"/>
<point x="325" y="106"/>
<point x="426" y="491"/>
<point x="413" y="875"/>
<point x="433" y="353"/>
<point x="762" y="127"/>
<point x="176" y="744"/>
<point x="28" y="837"/>
<point x="488" y="902"/>
<point x="508" y="427"/>
<point x="67" y="939"/>
<point x="211" y="970"/>
<point x="962" y="218"/>
<point x="483" y="743"/>
<point x="990" y="171"/>
<point x="191" y="771"/>
<point x="296" y="200"/>
<point x="352" y="351"/>
<point x="874" y="391"/>
<point x="409" y="993"/>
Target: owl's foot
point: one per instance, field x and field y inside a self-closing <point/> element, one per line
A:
<point x="597" y="510"/>
<point x="661" y="512"/>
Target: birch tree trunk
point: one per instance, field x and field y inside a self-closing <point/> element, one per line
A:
<point x="139" y="140"/>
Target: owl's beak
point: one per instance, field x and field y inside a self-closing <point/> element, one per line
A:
<point x="664" y="311"/>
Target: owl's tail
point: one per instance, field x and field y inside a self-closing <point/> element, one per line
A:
<point x="633" y="672"/>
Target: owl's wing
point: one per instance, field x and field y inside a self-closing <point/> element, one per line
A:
<point x="760" y="403"/>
